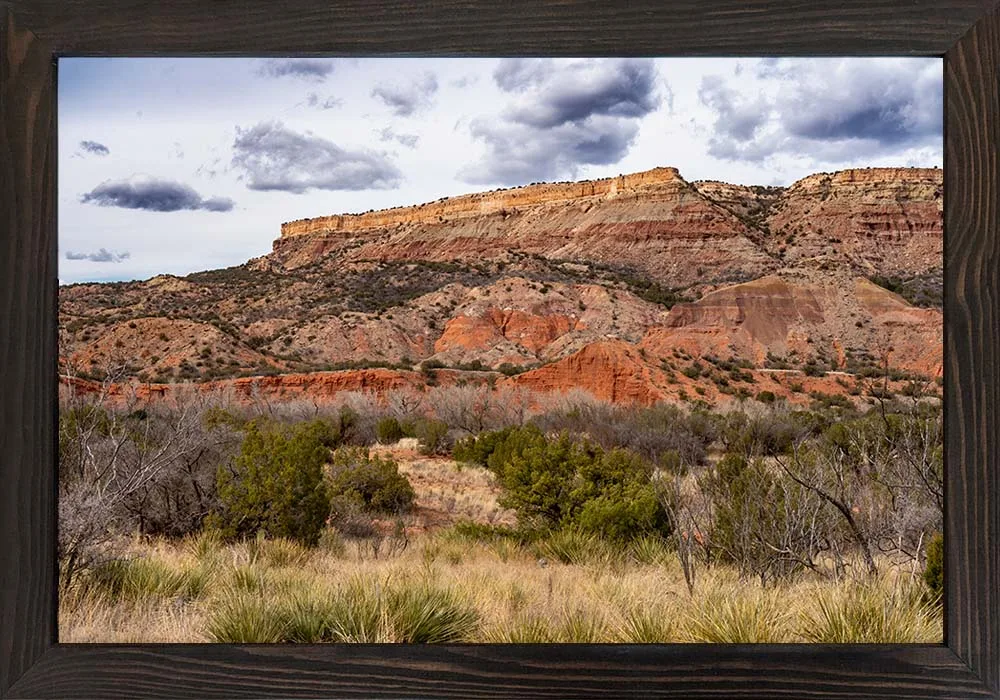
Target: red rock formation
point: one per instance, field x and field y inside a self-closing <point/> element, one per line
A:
<point x="610" y="370"/>
<point x="530" y="331"/>
<point x="885" y="221"/>
<point x="805" y="314"/>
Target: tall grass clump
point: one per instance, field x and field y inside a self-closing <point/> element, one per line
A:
<point x="738" y="615"/>
<point x="135" y="580"/>
<point x="196" y="580"/>
<point x="422" y="614"/>
<point x="244" y="618"/>
<point x="282" y="551"/>
<point x="205" y="546"/>
<point x="570" y="546"/>
<point x="650" y="550"/>
<point x="308" y="619"/>
<point x="250" y="578"/>
<point x="581" y="626"/>
<point x="641" y="625"/>
<point x="872" y="612"/>
<point x="357" y="614"/>
<point x="934" y="571"/>
<point x="522" y="629"/>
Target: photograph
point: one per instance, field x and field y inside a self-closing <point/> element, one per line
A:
<point x="500" y="350"/>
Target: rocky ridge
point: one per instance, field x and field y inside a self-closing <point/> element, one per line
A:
<point x="619" y="286"/>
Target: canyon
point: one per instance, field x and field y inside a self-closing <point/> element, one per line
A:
<point x="638" y="289"/>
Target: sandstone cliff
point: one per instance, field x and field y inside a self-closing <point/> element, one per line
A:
<point x="653" y="223"/>
<point x="622" y="286"/>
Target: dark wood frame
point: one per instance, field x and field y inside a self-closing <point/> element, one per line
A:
<point x="34" y="32"/>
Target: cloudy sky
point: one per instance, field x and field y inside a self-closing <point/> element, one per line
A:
<point x="179" y="165"/>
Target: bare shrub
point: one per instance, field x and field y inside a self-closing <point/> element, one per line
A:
<point x="123" y="465"/>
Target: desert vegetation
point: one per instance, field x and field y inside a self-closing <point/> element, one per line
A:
<point x="483" y="514"/>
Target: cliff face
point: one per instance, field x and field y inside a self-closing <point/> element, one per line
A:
<point x="839" y="320"/>
<point x="653" y="223"/>
<point x="879" y="221"/>
<point x="618" y="286"/>
<point x="482" y="203"/>
<point x="885" y="221"/>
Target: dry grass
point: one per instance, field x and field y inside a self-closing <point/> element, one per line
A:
<point x="446" y="588"/>
<point x="447" y="492"/>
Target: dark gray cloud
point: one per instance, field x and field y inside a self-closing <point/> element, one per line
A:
<point x="408" y="140"/>
<point x="407" y="98"/>
<point x="562" y="115"/>
<point x="515" y="74"/>
<point x="97" y="149"/>
<point x="103" y="255"/>
<point x="735" y="116"/>
<point x="829" y="110"/>
<point x="150" y="194"/>
<point x="314" y="69"/>
<point x="273" y="157"/>
<point x="314" y="100"/>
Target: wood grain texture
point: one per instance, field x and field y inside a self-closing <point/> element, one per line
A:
<point x="763" y="672"/>
<point x="27" y="347"/>
<point x="566" y="27"/>
<point x="972" y="355"/>
<point x="32" y="666"/>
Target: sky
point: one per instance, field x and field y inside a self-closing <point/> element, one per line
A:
<point x="173" y="165"/>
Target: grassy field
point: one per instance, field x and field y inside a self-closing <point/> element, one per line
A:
<point x="425" y="580"/>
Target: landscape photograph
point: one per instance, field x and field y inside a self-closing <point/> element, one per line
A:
<point x="516" y="350"/>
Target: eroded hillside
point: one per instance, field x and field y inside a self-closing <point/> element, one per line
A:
<point x="624" y="286"/>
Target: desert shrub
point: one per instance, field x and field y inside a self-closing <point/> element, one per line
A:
<point x="562" y="482"/>
<point x="476" y="449"/>
<point x="653" y="432"/>
<point x="388" y="430"/>
<point x="764" y="524"/>
<point x="432" y="436"/>
<point x="372" y="481"/>
<point x="693" y="371"/>
<point x="766" y="396"/>
<point x="767" y="433"/>
<point x="276" y="485"/>
<point x="617" y="498"/>
<point x="355" y="420"/>
<point x="823" y="400"/>
<point x="934" y="570"/>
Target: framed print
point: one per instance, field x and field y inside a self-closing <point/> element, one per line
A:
<point x="496" y="448"/>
